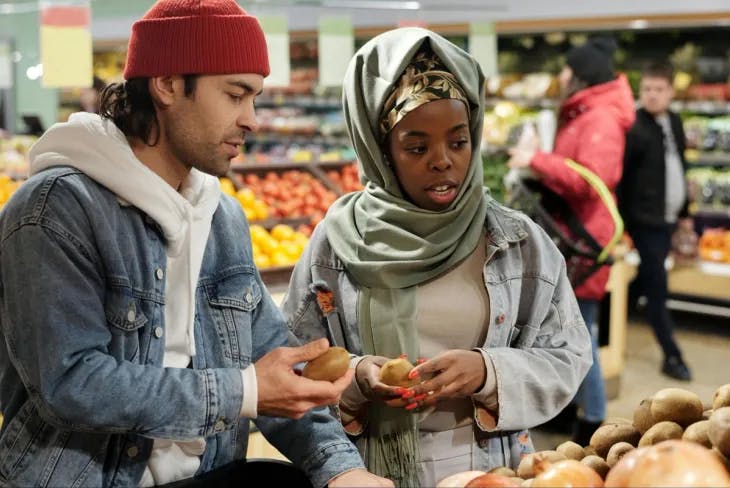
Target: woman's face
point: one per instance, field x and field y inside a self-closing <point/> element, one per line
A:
<point x="430" y="149"/>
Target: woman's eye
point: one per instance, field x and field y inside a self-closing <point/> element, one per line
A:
<point x="460" y="144"/>
<point x="416" y="149"/>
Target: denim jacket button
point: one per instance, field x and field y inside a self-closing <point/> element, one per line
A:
<point x="131" y="315"/>
<point x="500" y="318"/>
<point x="133" y="451"/>
<point x="159" y="273"/>
<point x="219" y="426"/>
<point x="249" y="297"/>
<point x="158" y="331"/>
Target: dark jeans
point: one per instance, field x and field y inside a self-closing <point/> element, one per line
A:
<point x="653" y="244"/>
<point x="273" y="472"/>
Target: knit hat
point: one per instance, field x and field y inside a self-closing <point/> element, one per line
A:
<point x="593" y="61"/>
<point x="178" y="37"/>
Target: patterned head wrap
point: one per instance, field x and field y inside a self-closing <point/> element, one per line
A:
<point x="424" y="80"/>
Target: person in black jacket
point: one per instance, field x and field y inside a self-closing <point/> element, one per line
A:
<point x="653" y="198"/>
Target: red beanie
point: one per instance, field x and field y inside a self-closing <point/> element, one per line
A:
<point x="179" y="37"/>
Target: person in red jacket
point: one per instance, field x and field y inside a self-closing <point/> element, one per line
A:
<point x="596" y="112"/>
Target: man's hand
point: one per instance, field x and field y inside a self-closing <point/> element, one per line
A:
<point x="284" y="393"/>
<point x="357" y="478"/>
<point x="455" y="373"/>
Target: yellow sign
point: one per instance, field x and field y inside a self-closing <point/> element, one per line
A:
<point x="66" y="56"/>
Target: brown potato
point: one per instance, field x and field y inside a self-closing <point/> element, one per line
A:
<point x="721" y="398"/>
<point x="616" y="452"/>
<point x="571" y="450"/>
<point x="676" y="405"/>
<point x="661" y="431"/>
<point x="589" y="451"/>
<point x="329" y="366"/>
<point x="699" y="433"/>
<point x="597" y="463"/>
<point x="607" y="435"/>
<point x="642" y="416"/>
<point x="395" y="373"/>
<point x="719" y="430"/>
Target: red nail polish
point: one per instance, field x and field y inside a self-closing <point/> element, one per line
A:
<point x="413" y="374"/>
<point x="408" y="394"/>
<point x="400" y="390"/>
<point x="411" y="406"/>
<point x="419" y="397"/>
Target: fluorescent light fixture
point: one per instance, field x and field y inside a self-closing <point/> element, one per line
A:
<point x="371" y="4"/>
<point x="639" y="24"/>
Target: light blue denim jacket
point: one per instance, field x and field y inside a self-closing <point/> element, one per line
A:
<point x="536" y="340"/>
<point x="82" y="387"/>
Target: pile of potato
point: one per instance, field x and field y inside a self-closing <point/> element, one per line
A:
<point x="671" y="413"/>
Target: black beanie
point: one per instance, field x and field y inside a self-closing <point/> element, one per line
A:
<point x="593" y="61"/>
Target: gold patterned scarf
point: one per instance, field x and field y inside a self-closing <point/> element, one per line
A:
<point x="424" y="80"/>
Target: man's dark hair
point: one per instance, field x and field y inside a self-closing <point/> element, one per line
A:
<point x="129" y="105"/>
<point x="658" y="69"/>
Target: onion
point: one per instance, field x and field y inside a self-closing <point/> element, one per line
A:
<point x="670" y="463"/>
<point x="565" y="474"/>
<point x="492" y="480"/>
<point x="459" y="480"/>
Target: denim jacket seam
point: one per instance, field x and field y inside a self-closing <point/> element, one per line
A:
<point x="302" y="309"/>
<point x="225" y="273"/>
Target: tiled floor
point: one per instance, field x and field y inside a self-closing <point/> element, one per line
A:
<point x="705" y="342"/>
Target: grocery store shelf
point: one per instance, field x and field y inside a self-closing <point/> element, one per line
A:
<point x="704" y="107"/>
<point x="713" y="212"/>
<point x="273" y="137"/>
<point x="525" y="102"/>
<point x="714" y="159"/>
<point x="276" y="278"/>
<point x="293" y="222"/>
<point x="305" y="102"/>
<point x="258" y="167"/>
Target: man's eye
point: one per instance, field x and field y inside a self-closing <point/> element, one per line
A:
<point x="235" y="98"/>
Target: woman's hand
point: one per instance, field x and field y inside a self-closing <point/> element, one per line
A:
<point x="367" y="375"/>
<point x="456" y="373"/>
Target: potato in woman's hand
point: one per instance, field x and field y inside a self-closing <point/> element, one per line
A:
<point x="330" y="366"/>
<point x="395" y="373"/>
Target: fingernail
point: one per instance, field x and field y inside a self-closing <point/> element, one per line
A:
<point x="408" y="394"/>
<point x="400" y="390"/>
<point x="411" y="406"/>
<point x="413" y="374"/>
<point x="419" y="397"/>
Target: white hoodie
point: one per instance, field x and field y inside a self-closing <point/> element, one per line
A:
<point x="99" y="149"/>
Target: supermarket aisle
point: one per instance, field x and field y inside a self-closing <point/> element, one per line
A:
<point x="705" y="341"/>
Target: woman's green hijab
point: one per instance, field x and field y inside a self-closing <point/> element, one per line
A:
<point x="387" y="244"/>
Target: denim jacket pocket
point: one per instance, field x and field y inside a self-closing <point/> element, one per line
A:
<point x="232" y="300"/>
<point x="18" y="441"/>
<point x="123" y="310"/>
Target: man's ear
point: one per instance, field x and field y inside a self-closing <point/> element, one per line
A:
<point x="165" y="89"/>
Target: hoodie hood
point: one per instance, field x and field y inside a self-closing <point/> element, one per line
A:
<point x="615" y="94"/>
<point x="98" y="148"/>
<point x="382" y="62"/>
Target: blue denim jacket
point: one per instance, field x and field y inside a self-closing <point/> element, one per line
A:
<point x="82" y="387"/>
<point x="536" y="340"/>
